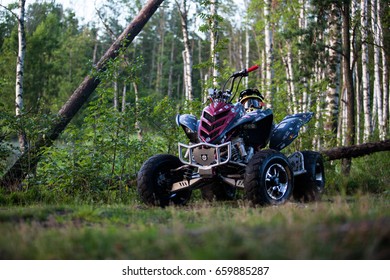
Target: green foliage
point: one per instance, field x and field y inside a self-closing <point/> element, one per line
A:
<point x="369" y="174"/>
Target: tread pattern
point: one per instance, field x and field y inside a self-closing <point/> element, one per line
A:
<point x="148" y="189"/>
<point x="254" y="189"/>
<point x="306" y="189"/>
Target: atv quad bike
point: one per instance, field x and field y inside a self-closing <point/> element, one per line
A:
<point x="234" y="146"/>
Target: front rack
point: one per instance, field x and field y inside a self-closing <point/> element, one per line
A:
<point x="204" y="155"/>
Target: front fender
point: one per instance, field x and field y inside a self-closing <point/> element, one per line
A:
<point x="287" y="130"/>
<point x="190" y="124"/>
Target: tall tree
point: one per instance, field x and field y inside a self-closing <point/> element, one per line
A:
<point x="214" y="41"/>
<point x="187" y="53"/>
<point x="365" y="71"/>
<point x="378" y="97"/>
<point x="20" y="73"/>
<point x="268" y="51"/>
<point x="333" y="73"/>
<point x="348" y="82"/>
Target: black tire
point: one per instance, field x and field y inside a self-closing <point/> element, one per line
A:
<point x="218" y="191"/>
<point x="268" y="178"/>
<point x="310" y="185"/>
<point x="155" y="179"/>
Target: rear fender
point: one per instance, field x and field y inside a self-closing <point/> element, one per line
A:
<point x="190" y="124"/>
<point x="287" y="130"/>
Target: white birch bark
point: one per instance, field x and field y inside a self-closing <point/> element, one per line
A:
<point x="247" y="45"/>
<point x="385" y="74"/>
<point x="187" y="54"/>
<point x="214" y="42"/>
<point x="378" y="98"/>
<point x="268" y="52"/>
<point x="333" y="73"/>
<point x="20" y="73"/>
<point x="124" y="93"/>
<point x="302" y="23"/>
<point x="365" y="71"/>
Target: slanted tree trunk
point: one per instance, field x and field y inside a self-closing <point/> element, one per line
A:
<point x="31" y="157"/>
<point x="23" y="144"/>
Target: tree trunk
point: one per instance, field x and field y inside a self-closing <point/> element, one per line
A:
<point x="160" y="48"/>
<point x="378" y="97"/>
<point x="268" y="52"/>
<point x="137" y="123"/>
<point x="247" y="45"/>
<point x="30" y="158"/>
<point x="365" y="72"/>
<point x="23" y="144"/>
<point x="187" y="54"/>
<point x="348" y="84"/>
<point x="385" y="73"/>
<point x="356" y="150"/>
<point x="214" y="42"/>
<point x="170" y="76"/>
<point x="303" y="104"/>
<point x="333" y="75"/>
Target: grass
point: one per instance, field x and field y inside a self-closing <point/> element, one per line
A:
<point x="351" y="222"/>
<point x="336" y="228"/>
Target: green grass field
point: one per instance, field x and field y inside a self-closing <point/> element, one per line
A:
<point x="357" y="227"/>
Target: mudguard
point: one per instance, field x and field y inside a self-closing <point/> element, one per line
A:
<point x="190" y="124"/>
<point x="287" y="130"/>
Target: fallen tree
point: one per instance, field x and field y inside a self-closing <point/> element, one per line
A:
<point x="30" y="158"/>
<point x="356" y="150"/>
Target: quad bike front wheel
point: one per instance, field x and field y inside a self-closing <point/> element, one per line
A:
<point x="155" y="179"/>
<point x="310" y="185"/>
<point x="268" y="178"/>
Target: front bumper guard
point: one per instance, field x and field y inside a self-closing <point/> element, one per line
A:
<point x="205" y="156"/>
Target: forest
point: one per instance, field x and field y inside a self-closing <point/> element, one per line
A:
<point x="327" y="57"/>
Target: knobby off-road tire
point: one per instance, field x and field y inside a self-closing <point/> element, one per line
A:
<point x="155" y="179"/>
<point x="218" y="191"/>
<point x="310" y="185"/>
<point x="268" y="178"/>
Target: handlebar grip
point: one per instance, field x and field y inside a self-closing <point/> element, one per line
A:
<point x="253" y="68"/>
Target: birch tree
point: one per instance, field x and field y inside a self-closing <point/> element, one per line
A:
<point x="20" y="73"/>
<point x="187" y="54"/>
<point x="385" y="73"/>
<point x="214" y="41"/>
<point x="365" y="71"/>
<point x="20" y="60"/>
<point x="333" y="72"/>
<point x="348" y="82"/>
<point x="378" y="97"/>
<point x="268" y="51"/>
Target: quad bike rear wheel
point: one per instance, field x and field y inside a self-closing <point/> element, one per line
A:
<point x="310" y="185"/>
<point x="155" y="179"/>
<point x="268" y="178"/>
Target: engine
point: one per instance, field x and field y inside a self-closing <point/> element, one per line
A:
<point x="241" y="153"/>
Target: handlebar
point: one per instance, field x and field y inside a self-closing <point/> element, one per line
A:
<point x="244" y="72"/>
